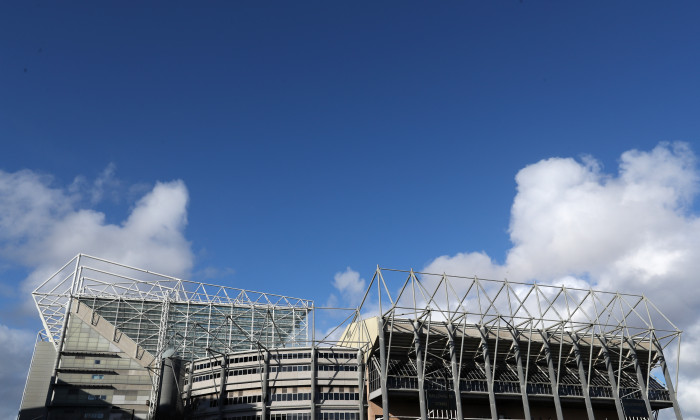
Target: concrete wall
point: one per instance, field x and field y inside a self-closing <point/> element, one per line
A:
<point x="37" y="386"/>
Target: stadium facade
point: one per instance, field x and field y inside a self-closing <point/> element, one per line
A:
<point x="125" y="343"/>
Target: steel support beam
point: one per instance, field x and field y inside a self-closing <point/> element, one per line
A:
<point x="552" y="374"/>
<point x="160" y="347"/>
<point x="521" y="374"/>
<point x="190" y="378"/>
<point x="640" y="376"/>
<point x="582" y="375"/>
<point x="222" y="394"/>
<point x="383" y="369"/>
<point x="669" y="382"/>
<point x="611" y="377"/>
<point x="455" y="370"/>
<point x="360" y="385"/>
<point x="314" y="358"/>
<point x="420" y="355"/>
<point x="487" y="369"/>
<point x="265" y="414"/>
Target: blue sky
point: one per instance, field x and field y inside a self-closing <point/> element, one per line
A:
<point x="308" y="137"/>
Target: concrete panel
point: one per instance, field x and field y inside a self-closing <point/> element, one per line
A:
<point x="37" y="386"/>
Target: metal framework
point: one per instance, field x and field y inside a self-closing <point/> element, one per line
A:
<point x="429" y="333"/>
<point x="92" y="278"/>
<point x="437" y="332"/>
<point x="160" y="312"/>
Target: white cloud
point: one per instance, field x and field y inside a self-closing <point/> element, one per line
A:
<point x="350" y="285"/>
<point x="106" y="181"/>
<point x="633" y="231"/>
<point x="467" y="264"/>
<point x="42" y="226"/>
<point x="14" y="350"/>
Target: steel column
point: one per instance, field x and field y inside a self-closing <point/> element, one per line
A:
<point x="487" y="369"/>
<point x="420" y="355"/>
<point x="640" y="376"/>
<point x="582" y="375"/>
<point x="360" y="384"/>
<point x="160" y="347"/>
<point x="669" y="382"/>
<point x="190" y="378"/>
<point x="383" y="369"/>
<point x="521" y="374"/>
<point x="552" y="374"/>
<point x="265" y="389"/>
<point x="611" y="377"/>
<point x="455" y="370"/>
<point x="314" y="357"/>
<point x="222" y="395"/>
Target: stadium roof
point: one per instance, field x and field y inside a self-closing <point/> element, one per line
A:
<point x="557" y="309"/>
<point x="90" y="277"/>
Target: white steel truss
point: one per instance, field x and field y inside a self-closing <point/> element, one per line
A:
<point x="498" y="336"/>
<point x="531" y="338"/>
<point x="160" y="312"/>
<point x="94" y="279"/>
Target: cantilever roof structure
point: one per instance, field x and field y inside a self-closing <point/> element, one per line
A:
<point x="414" y="295"/>
<point x="124" y="294"/>
<point x="616" y="340"/>
<point x="164" y="315"/>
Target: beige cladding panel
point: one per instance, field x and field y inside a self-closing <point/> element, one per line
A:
<point x="37" y="385"/>
<point x="289" y="382"/>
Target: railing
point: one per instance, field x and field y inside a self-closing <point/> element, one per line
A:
<point x="506" y="387"/>
<point x="570" y="390"/>
<point x="659" y="395"/>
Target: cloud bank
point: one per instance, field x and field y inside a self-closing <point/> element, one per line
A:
<point x="635" y="230"/>
<point x="43" y="225"/>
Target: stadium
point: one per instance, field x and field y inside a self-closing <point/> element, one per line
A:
<point x="125" y="343"/>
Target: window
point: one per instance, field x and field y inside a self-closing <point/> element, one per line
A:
<point x="249" y="399"/>
<point x="335" y="415"/>
<point x="239" y="372"/>
<point x="98" y="376"/>
<point x="338" y="368"/>
<point x="292" y="356"/>
<point x="97" y="362"/>
<point x="342" y="396"/>
<point x="244" y="359"/>
<point x="289" y="368"/>
<point x="302" y="396"/>
<point x="325" y="355"/>
<point x="290" y="416"/>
